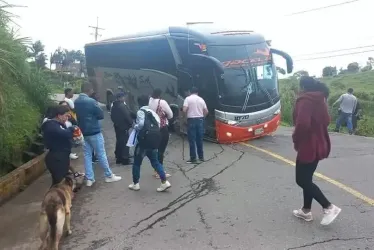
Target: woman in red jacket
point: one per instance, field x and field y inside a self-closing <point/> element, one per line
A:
<point x="312" y="144"/>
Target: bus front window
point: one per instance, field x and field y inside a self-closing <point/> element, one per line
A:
<point x="250" y="76"/>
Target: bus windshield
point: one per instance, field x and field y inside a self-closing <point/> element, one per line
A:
<point x="250" y="76"/>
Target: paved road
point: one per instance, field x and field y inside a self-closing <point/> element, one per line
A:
<point x="241" y="198"/>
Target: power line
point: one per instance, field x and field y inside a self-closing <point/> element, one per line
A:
<point x="333" y="51"/>
<point x="96" y="28"/>
<point x="346" y="54"/>
<point x="321" y="8"/>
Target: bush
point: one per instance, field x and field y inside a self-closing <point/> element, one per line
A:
<point x="24" y="95"/>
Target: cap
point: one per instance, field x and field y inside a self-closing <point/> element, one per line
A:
<point x="120" y="95"/>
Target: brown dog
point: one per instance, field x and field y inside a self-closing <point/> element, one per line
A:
<point x="55" y="213"/>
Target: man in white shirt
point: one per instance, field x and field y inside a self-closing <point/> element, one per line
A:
<point x="348" y="103"/>
<point x="195" y="108"/>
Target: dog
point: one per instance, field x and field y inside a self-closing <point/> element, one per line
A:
<point x="55" y="212"/>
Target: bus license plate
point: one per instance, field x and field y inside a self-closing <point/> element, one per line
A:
<point x="259" y="131"/>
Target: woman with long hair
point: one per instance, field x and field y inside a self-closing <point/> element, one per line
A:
<point x="163" y="110"/>
<point x="312" y="144"/>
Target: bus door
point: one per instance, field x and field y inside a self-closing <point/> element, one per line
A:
<point x="204" y="78"/>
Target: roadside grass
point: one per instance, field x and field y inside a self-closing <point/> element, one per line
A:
<point x="363" y="85"/>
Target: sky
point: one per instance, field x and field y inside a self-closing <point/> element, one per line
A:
<point x="65" y="23"/>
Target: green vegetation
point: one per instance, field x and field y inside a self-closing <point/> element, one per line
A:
<point x="362" y="83"/>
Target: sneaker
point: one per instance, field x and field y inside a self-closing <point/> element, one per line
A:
<point x="191" y="161"/>
<point x="89" y="183"/>
<point x="113" y="178"/>
<point x="73" y="156"/>
<point x="300" y="214"/>
<point x="164" y="186"/>
<point x="158" y="177"/>
<point x="134" y="187"/>
<point x="330" y="215"/>
<point x="201" y="160"/>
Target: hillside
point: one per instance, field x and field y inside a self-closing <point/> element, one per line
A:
<point x="362" y="83"/>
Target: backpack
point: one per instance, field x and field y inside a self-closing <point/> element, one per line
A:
<point x="149" y="136"/>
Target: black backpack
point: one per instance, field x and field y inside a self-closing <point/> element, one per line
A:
<point x="149" y="136"/>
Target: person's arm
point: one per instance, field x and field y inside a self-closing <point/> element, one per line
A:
<point x="354" y="106"/>
<point x="205" y="109"/>
<point x="140" y="117"/>
<point x="167" y="109"/>
<point x="338" y="101"/>
<point x="58" y="130"/>
<point x="98" y="112"/>
<point x="303" y="121"/>
<point x="185" y="105"/>
<point x="71" y="103"/>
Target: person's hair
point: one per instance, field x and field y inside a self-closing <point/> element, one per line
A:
<point x="94" y="96"/>
<point x="156" y="94"/>
<point x="194" y="90"/>
<point x="68" y="90"/>
<point x="50" y="111"/>
<point x="143" y="100"/>
<point x="86" y="87"/>
<point x="310" y="84"/>
<point x="58" y="110"/>
<point x="350" y="90"/>
<point x="62" y="102"/>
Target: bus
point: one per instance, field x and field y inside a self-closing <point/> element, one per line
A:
<point x="233" y="70"/>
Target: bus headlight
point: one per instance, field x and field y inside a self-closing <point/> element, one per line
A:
<point x="277" y="112"/>
<point x="266" y="125"/>
<point x="231" y="122"/>
<point x="228" y="134"/>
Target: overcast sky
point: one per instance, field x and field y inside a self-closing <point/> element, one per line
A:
<point x="65" y="23"/>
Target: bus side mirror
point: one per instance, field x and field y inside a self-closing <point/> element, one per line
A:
<point x="287" y="57"/>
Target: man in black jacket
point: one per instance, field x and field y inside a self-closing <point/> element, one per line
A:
<point x="122" y="119"/>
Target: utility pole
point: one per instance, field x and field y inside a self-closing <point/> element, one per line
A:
<point x="96" y="28"/>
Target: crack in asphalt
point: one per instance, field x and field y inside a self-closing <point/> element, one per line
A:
<point x="329" y="240"/>
<point x="214" y="156"/>
<point x="198" y="189"/>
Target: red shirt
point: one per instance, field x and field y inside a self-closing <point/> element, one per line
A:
<point x="311" y="119"/>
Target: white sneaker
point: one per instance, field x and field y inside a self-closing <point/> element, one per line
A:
<point x="330" y="215"/>
<point x="164" y="186"/>
<point x="300" y="214"/>
<point x="89" y="183"/>
<point x="113" y="178"/>
<point x="73" y="156"/>
<point x="134" y="187"/>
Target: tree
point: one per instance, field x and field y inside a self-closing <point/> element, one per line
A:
<point x="36" y="53"/>
<point x="329" y="71"/>
<point x="281" y="70"/>
<point x="300" y="73"/>
<point x="353" y="67"/>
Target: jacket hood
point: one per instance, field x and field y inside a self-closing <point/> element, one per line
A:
<point x="47" y="122"/>
<point x="317" y="102"/>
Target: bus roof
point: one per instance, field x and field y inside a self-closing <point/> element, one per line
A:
<point x="209" y="34"/>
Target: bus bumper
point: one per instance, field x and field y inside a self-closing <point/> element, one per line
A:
<point x="229" y="134"/>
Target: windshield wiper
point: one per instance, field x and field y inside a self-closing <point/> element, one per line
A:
<point x="261" y="87"/>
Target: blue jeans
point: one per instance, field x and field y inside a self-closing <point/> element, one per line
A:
<point x="344" y="117"/>
<point x="152" y="155"/>
<point x="195" y="133"/>
<point x="95" y="143"/>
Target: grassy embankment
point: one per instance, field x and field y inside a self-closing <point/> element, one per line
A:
<point x="363" y="85"/>
<point x="24" y="95"/>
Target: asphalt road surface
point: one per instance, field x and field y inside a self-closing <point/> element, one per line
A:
<point x="242" y="197"/>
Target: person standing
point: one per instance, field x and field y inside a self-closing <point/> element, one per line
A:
<point x="164" y="112"/>
<point x="348" y="104"/>
<point x="147" y="127"/>
<point x="195" y="108"/>
<point x="68" y="99"/>
<point x="122" y="121"/>
<point x="312" y="144"/>
<point x="57" y="139"/>
<point x="89" y="114"/>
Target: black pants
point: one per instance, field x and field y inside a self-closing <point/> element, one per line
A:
<point x="163" y="143"/>
<point x="304" y="178"/>
<point x="122" y="152"/>
<point x="58" y="165"/>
